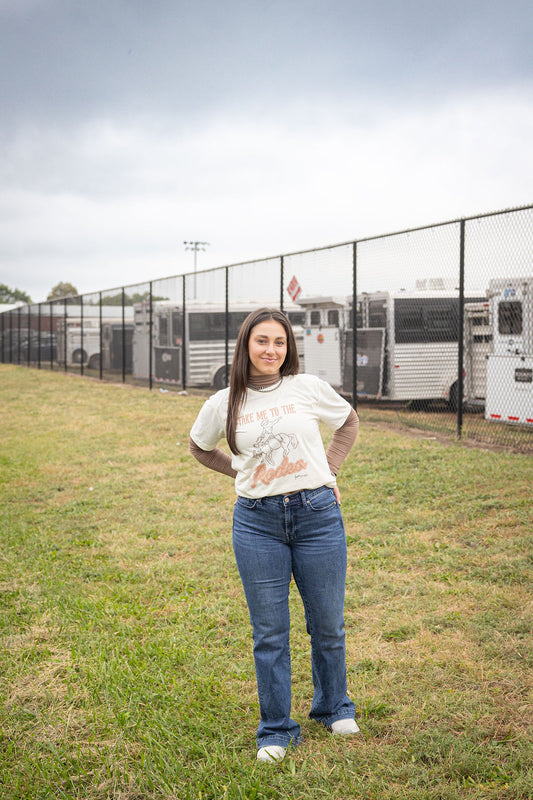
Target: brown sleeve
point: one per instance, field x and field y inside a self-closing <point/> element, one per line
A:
<point x="342" y="441"/>
<point x="213" y="459"/>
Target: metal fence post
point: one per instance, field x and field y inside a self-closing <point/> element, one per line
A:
<point x="53" y="333"/>
<point x="8" y="332"/>
<point x="183" y="333"/>
<point x="10" y="316"/>
<point x="65" y="317"/>
<point x="123" y="336"/>
<point x="28" y="328"/>
<point x="150" y="323"/>
<point x="19" y="327"/>
<point x="28" y="340"/>
<point x="354" y="328"/>
<point x="81" y="335"/>
<point x="281" y="281"/>
<point x="226" y="333"/>
<point x="460" y="349"/>
<point x="12" y="333"/>
<point x="39" y="337"/>
<point x="101" y="360"/>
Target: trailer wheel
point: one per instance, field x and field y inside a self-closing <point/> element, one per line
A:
<point x="219" y="381"/>
<point x="94" y="361"/>
<point x="79" y="356"/>
<point x="453" y="397"/>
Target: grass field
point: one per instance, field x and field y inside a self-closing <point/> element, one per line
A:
<point x="126" y="667"/>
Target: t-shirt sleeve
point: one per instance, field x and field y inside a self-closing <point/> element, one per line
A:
<point x="210" y="426"/>
<point x="332" y="409"/>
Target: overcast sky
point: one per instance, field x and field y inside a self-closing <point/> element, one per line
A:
<point x="129" y="126"/>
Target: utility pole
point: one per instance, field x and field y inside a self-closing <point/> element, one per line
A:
<point x="195" y="247"/>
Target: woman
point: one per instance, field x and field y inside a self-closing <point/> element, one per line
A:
<point x="287" y="520"/>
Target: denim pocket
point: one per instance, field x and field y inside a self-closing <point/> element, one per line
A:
<point x="322" y="499"/>
<point x="246" y="502"/>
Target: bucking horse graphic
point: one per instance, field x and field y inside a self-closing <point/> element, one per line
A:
<point x="268" y="442"/>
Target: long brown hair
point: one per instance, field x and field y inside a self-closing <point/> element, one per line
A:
<point x="238" y="382"/>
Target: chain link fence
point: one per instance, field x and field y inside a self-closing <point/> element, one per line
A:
<point x="442" y="340"/>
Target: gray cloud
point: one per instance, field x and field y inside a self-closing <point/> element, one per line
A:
<point x="127" y="58"/>
<point x="262" y="127"/>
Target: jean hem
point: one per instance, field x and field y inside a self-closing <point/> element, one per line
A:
<point x="281" y="741"/>
<point x="331" y="718"/>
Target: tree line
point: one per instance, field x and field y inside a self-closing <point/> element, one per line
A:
<point x="62" y="289"/>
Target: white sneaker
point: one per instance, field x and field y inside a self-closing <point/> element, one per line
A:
<point x="345" y="726"/>
<point x="273" y="752"/>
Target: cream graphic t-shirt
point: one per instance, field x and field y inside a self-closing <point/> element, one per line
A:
<point x="278" y="435"/>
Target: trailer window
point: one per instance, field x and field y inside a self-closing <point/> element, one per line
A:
<point x="442" y="321"/>
<point x="177" y="327"/>
<point x="408" y="323"/>
<point x="333" y="317"/>
<point x="377" y="314"/>
<point x="296" y="317"/>
<point x="314" y="318"/>
<point x="205" y="326"/>
<point x="163" y="332"/>
<point x="358" y="316"/>
<point x="510" y="318"/>
<point x="425" y="320"/>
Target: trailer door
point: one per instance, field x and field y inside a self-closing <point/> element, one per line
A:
<point x="322" y="354"/>
<point x="370" y="361"/>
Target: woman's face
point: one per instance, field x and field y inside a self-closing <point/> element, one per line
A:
<point x="267" y="347"/>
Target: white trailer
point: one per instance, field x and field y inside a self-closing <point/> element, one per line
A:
<point x="83" y="346"/>
<point x="325" y="320"/>
<point x="407" y="343"/>
<point x="510" y="365"/>
<point x="83" y="338"/>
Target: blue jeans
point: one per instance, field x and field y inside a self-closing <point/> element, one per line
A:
<point x="275" y="538"/>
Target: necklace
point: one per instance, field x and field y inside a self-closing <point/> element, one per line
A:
<point x="266" y="388"/>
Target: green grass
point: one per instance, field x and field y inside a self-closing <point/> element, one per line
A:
<point x="125" y="662"/>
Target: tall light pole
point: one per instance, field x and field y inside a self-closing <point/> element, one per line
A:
<point x="195" y="246"/>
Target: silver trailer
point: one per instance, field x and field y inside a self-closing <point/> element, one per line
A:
<point x="193" y="347"/>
